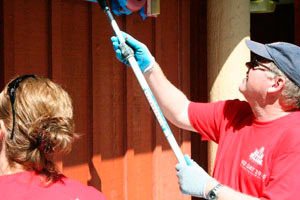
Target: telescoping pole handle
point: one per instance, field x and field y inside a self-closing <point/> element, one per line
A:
<point x="156" y="110"/>
<point x="128" y="53"/>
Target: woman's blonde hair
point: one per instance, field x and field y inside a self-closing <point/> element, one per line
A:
<point x="44" y="125"/>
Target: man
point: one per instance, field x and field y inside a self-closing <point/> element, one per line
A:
<point x="259" y="143"/>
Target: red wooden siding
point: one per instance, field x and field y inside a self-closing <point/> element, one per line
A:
<point x="122" y="150"/>
<point x="297" y="21"/>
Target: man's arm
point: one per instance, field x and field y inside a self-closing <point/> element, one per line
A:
<point x="171" y="100"/>
<point x="226" y="193"/>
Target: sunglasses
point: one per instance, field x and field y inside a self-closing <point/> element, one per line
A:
<point x="255" y="64"/>
<point x="11" y="90"/>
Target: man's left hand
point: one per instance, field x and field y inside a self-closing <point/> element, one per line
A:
<point x="192" y="178"/>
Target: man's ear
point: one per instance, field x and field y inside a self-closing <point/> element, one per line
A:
<point x="278" y="85"/>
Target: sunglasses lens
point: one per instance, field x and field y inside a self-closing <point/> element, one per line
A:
<point x="251" y="64"/>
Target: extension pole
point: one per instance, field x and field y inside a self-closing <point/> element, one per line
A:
<point x="129" y="55"/>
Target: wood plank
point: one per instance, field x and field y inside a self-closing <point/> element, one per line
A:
<point x="184" y="64"/>
<point x="8" y="40"/>
<point x="55" y="41"/>
<point x="25" y="37"/>
<point x="75" y="76"/>
<point x="55" y="51"/>
<point x="139" y="122"/>
<point x="109" y="111"/>
<point x="198" y="73"/>
<point x="2" y="83"/>
<point x="31" y="37"/>
<point x="297" y="21"/>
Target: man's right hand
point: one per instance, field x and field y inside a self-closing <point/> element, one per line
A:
<point x="141" y="53"/>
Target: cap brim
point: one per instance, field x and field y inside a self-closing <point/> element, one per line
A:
<point x="259" y="49"/>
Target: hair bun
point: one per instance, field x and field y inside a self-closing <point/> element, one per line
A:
<point x="52" y="134"/>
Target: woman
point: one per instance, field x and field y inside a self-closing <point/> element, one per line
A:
<point x="36" y="123"/>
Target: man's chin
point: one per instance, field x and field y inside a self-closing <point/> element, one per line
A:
<point x="242" y="90"/>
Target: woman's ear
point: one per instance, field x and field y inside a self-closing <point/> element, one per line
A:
<point x="2" y="130"/>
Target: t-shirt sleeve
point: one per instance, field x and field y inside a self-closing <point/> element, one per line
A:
<point x="206" y="118"/>
<point x="284" y="180"/>
<point x="212" y="119"/>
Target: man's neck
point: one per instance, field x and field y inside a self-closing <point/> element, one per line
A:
<point x="268" y="112"/>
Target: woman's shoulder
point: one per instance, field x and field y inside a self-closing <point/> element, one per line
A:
<point x="77" y="190"/>
<point x="30" y="185"/>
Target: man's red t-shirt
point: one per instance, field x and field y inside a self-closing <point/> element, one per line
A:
<point x="28" y="186"/>
<point x="261" y="159"/>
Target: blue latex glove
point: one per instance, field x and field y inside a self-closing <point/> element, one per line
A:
<point x="141" y="53"/>
<point x="192" y="178"/>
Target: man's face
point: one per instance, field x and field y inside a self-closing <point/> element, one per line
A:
<point x="258" y="79"/>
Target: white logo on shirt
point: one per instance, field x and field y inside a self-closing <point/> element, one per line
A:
<point x="257" y="156"/>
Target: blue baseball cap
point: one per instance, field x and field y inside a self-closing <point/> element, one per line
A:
<point x="286" y="56"/>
